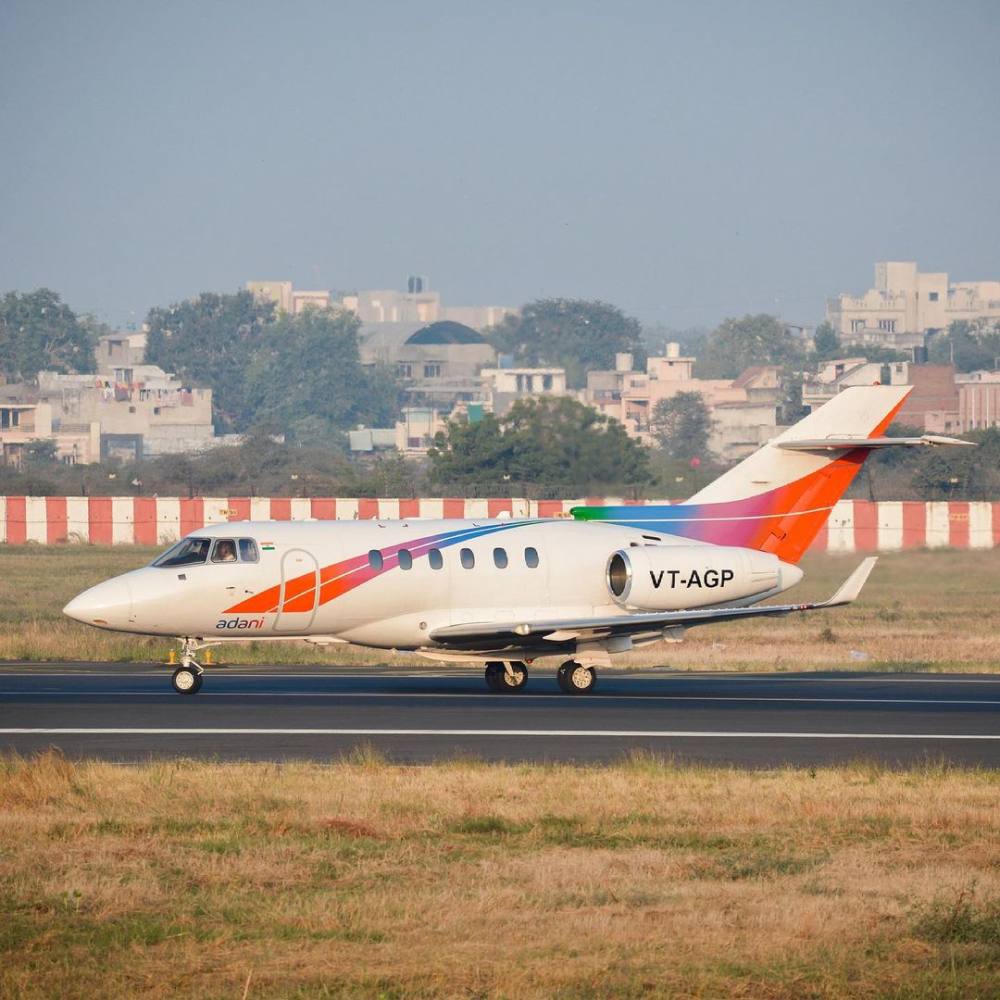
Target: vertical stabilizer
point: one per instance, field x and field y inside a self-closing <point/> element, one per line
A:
<point x="777" y="499"/>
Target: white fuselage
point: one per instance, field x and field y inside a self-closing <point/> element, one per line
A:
<point x="317" y="579"/>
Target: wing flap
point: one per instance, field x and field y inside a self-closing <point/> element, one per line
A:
<point x="840" y="443"/>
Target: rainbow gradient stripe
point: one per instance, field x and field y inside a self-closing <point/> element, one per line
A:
<point x="783" y="520"/>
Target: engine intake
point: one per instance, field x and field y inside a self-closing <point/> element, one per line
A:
<point x="677" y="577"/>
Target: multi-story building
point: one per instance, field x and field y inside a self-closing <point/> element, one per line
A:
<point x="836" y="375"/>
<point x="501" y="387"/>
<point x="288" y="299"/>
<point x="906" y="305"/>
<point x="417" y="305"/>
<point x="744" y="410"/>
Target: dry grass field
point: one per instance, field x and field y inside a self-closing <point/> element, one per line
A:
<point x="933" y="610"/>
<point x="364" y="879"/>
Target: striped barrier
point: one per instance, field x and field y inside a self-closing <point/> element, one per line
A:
<point x="854" y="525"/>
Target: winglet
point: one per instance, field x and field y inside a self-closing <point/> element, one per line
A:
<point x="851" y="587"/>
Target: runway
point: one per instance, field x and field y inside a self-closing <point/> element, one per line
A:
<point x="128" y="712"/>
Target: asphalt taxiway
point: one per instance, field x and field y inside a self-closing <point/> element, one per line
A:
<point x="127" y="712"/>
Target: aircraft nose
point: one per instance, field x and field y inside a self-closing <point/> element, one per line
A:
<point x="109" y="603"/>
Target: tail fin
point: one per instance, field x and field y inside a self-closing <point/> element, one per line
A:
<point x="777" y="499"/>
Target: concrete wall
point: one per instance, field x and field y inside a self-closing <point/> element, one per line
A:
<point x="854" y="525"/>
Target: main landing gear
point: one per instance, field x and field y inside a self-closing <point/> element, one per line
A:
<point x="575" y="678"/>
<point x="511" y="677"/>
<point x="506" y="677"/>
<point x="186" y="679"/>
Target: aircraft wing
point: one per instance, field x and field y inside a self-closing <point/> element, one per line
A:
<point x="839" y="444"/>
<point x="565" y="630"/>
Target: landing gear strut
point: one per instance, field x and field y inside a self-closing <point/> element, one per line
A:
<point x="187" y="677"/>
<point x="574" y="678"/>
<point x="506" y="677"/>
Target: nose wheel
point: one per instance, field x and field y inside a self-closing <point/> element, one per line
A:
<point x="186" y="680"/>
<point x="506" y="678"/>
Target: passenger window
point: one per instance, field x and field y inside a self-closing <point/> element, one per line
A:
<point x="500" y="558"/>
<point x="375" y="559"/>
<point x="248" y="550"/>
<point x="405" y="559"/>
<point x="188" y="552"/>
<point x="468" y="559"/>
<point x="531" y="557"/>
<point x="435" y="558"/>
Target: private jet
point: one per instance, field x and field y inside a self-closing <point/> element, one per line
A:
<point x="507" y="592"/>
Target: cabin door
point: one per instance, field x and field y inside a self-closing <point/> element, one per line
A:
<point x="299" y="591"/>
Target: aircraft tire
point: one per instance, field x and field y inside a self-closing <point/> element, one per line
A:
<point x="574" y="678"/>
<point x="494" y="674"/>
<point x="185" y="680"/>
<point x="512" y="685"/>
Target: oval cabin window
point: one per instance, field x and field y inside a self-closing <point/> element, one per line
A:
<point x="375" y="559"/>
<point x="468" y="559"/>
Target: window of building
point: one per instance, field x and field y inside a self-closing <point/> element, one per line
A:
<point x="248" y="550"/>
<point x="531" y="557"/>
<point x="435" y="559"/>
<point x="405" y="559"/>
<point x="375" y="559"/>
<point x="933" y="296"/>
<point x="546" y="382"/>
<point x="888" y="325"/>
<point x="432" y="370"/>
<point x="857" y="325"/>
<point x="468" y="558"/>
<point x="156" y="411"/>
<point x="405" y="370"/>
<point x="500" y="558"/>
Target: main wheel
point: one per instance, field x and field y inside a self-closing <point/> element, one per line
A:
<point x="494" y="674"/>
<point x="515" y="679"/>
<point x="186" y="680"/>
<point x="574" y="678"/>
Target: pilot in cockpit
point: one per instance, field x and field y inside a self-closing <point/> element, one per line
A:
<point x="225" y="551"/>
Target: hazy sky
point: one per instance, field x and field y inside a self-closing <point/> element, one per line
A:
<point x="686" y="161"/>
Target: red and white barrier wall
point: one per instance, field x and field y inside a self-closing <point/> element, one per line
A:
<point x="854" y="525"/>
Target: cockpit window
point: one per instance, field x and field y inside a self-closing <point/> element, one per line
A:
<point x="248" y="550"/>
<point x="224" y="550"/>
<point x="187" y="552"/>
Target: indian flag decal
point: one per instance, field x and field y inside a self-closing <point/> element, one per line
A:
<point x="267" y="546"/>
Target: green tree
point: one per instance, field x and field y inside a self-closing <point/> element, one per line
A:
<point x="826" y="342"/>
<point x="575" y="334"/>
<point x="546" y="441"/>
<point x="681" y="425"/>
<point x="211" y="341"/>
<point x="970" y="346"/>
<point x="306" y="377"/>
<point x="39" y="332"/>
<point x="736" y="344"/>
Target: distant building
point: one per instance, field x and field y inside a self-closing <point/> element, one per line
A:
<point x="140" y="412"/>
<point x="438" y="363"/>
<point x="417" y="305"/>
<point x="503" y="386"/>
<point x="906" y="305"/>
<point x="744" y="410"/>
<point x="836" y="375"/>
<point x="288" y="299"/>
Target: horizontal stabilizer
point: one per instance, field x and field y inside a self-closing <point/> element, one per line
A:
<point x="851" y="587"/>
<point x="842" y="443"/>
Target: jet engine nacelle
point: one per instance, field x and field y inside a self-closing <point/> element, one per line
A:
<point x="674" y="578"/>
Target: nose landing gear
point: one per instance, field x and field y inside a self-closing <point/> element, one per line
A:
<point x="506" y="677"/>
<point x="187" y="678"/>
